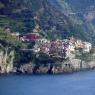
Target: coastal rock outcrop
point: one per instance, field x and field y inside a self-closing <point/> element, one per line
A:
<point x="27" y="68"/>
<point x="7" y="58"/>
<point x="6" y="61"/>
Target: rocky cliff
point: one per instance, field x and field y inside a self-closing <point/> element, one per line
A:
<point x="6" y="61"/>
<point x="7" y="65"/>
<point x="58" y="68"/>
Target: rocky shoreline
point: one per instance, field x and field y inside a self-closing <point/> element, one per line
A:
<point x="11" y="63"/>
<point x="68" y="66"/>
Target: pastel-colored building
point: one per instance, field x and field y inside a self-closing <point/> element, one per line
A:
<point x="79" y="44"/>
<point x="72" y="47"/>
<point x="64" y="48"/>
<point x="87" y="47"/>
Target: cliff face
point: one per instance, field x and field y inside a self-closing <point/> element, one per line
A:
<point x="68" y="66"/>
<point x="6" y="61"/>
<point x="7" y="65"/>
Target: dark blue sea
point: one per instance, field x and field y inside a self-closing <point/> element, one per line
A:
<point x="81" y="83"/>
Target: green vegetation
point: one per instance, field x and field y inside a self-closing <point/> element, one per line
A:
<point x="19" y="16"/>
<point x="6" y="39"/>
<point x="1" y="5"/>
<point x="86" y="56"/>
<point x="15" y="24"/>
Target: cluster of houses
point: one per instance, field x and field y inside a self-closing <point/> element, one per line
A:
<point x="62" y="48"/>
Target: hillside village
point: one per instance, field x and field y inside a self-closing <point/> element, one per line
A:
<point x="45" y="38"/>
<point x="65" y="48"/>
<point x="42" y="55"/>
<point x="62" y="48"/>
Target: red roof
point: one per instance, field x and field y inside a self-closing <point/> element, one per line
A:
<point x="32" y="37"/>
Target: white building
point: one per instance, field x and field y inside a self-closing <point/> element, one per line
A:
<point x="87" y="47"/>
<point x="43" y="40"/>
<point x="72" y="47"/>
<point x="36" y="48"/>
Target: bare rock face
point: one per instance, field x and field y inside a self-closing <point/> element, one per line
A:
<point x="76" y="63"/>
<point x="27" y="68"/>
<point x="6" y="61"/>
<point x="72" y="65"/>
<point x="42" y="69"/>
<point x="92" y="64"/>
<point x="57" y="69"/>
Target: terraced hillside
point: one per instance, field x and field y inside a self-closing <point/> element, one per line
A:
<point x="56" y="16"/>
